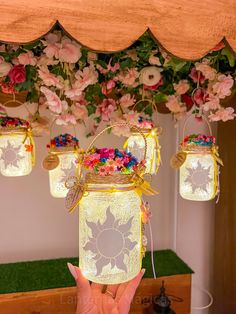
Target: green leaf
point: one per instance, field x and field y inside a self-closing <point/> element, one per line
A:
<point x="127" y="63"/>
<point x="32" y="45"/>
<point x="160" y="97"/>
<point x="93" y="91"/>
<point x="176" y="64"/>
<point x="91" y="109"/>
<point x="231" y="58"/>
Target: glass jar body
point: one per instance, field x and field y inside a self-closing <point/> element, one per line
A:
<point x="110" y="234"/>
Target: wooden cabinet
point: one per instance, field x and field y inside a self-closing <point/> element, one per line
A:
<point x="63" y="300"/>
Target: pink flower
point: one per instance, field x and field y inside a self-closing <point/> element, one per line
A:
<point x="107" y="153"/>
<point x="199" y="96"/>
<point x="53" y="101"/>
<point x="174" y="105"/>
<point x="8" y="88"/>
<point x="223" y="85"/>
<point x="106" y="108"/>
<point x="73" y="93"/>
<point x="52" y="45"/>
<point x="153" y="60"/>
<point x="108" y="86"/>
<point x="110" y="68"/>
<point x="208" y="72"/>
<point x="223" y="114"/>
<point x="66" y="119"/>
<point x="27" y="58"/>
<point x="132" y="117"/>
<point x="212" y="103"/>
<point x="91" y="56"/>
<point x="88" y="76"/>
<point x="70" y="51"/>
<point x="48" y="78"/>
<point x="129" y="77"/>
<point x="197" y="76"/>
<point x="17" y="74"/>
<point x="127" y="101"/>
<point x="45" y="61"/>
<point x="5" y="67"/>
<point x="103" y="171"/>
<point x="79" y="111"/>
<point x="181" y="87"/>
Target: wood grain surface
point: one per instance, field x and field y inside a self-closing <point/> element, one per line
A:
<point x="63" y="300"/>
<point x="187" y="29"/>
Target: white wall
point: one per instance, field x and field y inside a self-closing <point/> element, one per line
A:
<point x="34" y="225"/>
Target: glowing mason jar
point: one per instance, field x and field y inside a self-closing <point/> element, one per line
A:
<point x="67" y="167"/>
<point x="16" y="152"/>
<point x="198" y="178"/>
<point x="136" y="146"/>
<point x="110" y="230"/>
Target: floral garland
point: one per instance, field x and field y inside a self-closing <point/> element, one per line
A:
<point x="199" y="139"/>
<point x="75" y="84"/>
<point x="107" y="161"/>
<point x="63" y="140"/>
<point x="12" y="122"/>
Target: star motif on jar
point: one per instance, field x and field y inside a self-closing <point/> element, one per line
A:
<point x="11" y="155"/>
<point x="110" y="242"/>
<point x="199" y="177"/>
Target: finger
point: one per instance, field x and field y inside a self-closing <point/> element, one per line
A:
<point x="121" y="290"/>
<point x="96" y="287"/>
<point x="83" y="286"/>
<point x="113" y="290"/>
<point x="129" y="292"/>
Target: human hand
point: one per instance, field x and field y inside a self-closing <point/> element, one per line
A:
<point x="91" y="299"/>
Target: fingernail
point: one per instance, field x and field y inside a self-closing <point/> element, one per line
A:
<point x="72" y="270"/>
<point x="143" y="271"/>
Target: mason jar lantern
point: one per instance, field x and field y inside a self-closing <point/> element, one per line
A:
<point x="61" y="163"/>
<point x="17" y="150"/>
<point x="110" y="219"/>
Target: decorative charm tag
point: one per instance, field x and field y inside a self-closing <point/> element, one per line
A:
<point x="73" y="197"/>
<point x="50" y="162"/>
<point x="178" y="160"/>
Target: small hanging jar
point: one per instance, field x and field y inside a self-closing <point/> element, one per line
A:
<point x="135" y="143"/>
<point x="198" y="161"/>
<point x="61" y="162"/>
<point x="110" y="226"/>
<point x="17" y="149"/>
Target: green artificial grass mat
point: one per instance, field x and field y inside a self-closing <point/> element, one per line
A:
<point x="48" y="274"/>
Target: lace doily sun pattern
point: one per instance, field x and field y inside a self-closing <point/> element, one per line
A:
<point x="119" y="245"/>
<point x="199" y="177"/>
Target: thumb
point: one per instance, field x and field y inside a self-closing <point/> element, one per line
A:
<point x="129" y="292"/>
<point x="83" y="286"/>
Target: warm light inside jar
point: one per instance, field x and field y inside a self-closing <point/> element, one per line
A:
<point x="59" y="175"/>
<point x="15" y="158"/>
<point x="198" y="177"/>
<point x="110" y="235"/>
<point x="136" y="146"/>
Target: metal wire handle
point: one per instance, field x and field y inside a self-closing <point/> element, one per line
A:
<point x="120" y="124"/>
<point x="153" y="105"/>
<point x="202" y="117"/>
<point x="14" y="100"/>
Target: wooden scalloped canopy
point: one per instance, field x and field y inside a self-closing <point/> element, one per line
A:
<point x="186" y="28"/>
